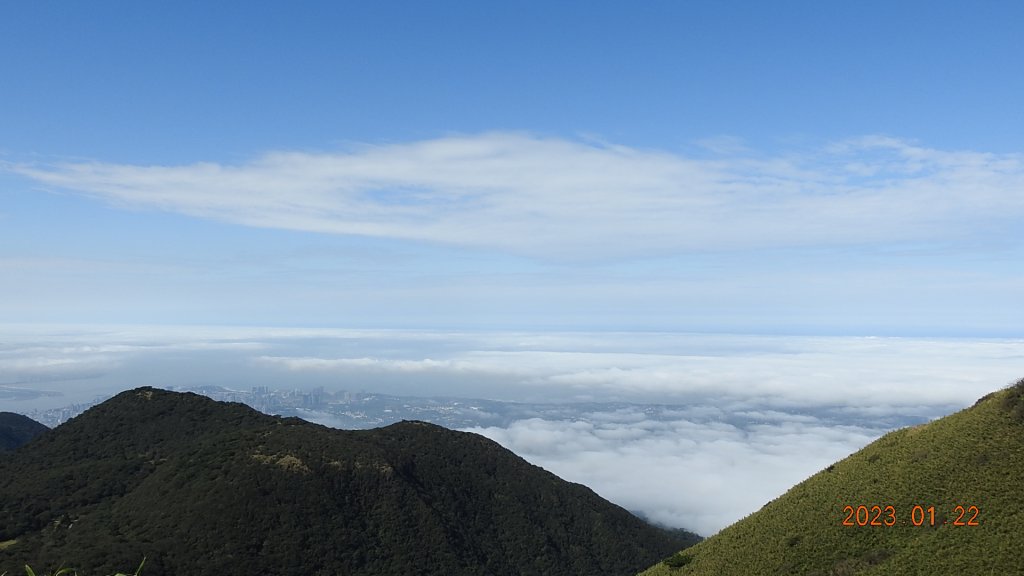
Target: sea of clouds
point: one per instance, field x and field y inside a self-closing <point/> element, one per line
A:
<point x="708" y="427"/>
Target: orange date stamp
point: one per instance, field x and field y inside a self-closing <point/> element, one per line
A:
<point x="881" y="515"/>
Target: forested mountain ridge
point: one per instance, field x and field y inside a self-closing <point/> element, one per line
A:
<point x="203" y="487"/>
<point x="16" y="430"/>
<point x="946" y="497"/>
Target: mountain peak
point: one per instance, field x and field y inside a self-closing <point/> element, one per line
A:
<point x="16" y="430"/>
<point x="198" y="486"/>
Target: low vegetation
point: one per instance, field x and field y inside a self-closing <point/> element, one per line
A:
<point x="957" y="477"/>
<point x="73" y="572"/>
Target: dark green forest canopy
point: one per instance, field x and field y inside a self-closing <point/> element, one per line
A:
<point x="16" y="430"/>
<point x="202" y="487"/>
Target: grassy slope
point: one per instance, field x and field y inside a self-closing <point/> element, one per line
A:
<point x="973" y="457"/>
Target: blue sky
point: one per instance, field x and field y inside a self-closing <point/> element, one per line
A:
<point x="785" y="167"/>
<point x="526" y="200"/>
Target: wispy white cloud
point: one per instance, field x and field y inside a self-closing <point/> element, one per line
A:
<point x="300" y="364"/>
<point x="562" y="198"/>
<point x="45" y="356"/>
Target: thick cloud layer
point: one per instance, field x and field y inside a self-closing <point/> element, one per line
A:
<point x="867" y="375"/>
<point x="697" y="473"/>
<point x="719" y="424"/>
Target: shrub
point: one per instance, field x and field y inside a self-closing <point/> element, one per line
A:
<point x="875" y="557"/>
<point x="1013" y="402"/>
<point x="71" y="572"/>
<point x="677" y="560"/>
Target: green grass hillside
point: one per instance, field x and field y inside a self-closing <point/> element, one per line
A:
<point x="974" y="458"/>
